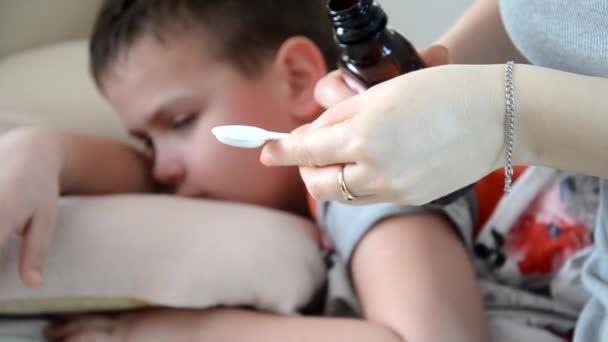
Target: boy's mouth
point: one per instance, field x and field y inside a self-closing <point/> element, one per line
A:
<point x="193" y="194"/>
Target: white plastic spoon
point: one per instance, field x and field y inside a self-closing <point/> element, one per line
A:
<point x="245" y="136"/>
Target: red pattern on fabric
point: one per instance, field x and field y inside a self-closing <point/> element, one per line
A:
<point x="489" y="190"/>
<point x="546" y="235"/>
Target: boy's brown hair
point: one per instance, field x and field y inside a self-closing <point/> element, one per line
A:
<point x="245" y="31"/>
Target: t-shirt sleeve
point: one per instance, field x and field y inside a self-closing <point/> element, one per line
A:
<point x="592" y="325"/>
<point x="346" y="225"/>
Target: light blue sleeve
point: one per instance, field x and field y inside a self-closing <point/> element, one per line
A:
<point x="346" y="225"/>
<point x="592" y="325"/>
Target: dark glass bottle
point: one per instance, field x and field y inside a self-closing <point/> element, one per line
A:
<point x="371" y="52"/>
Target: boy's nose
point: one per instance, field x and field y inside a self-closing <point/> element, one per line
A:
<point x="168" y="173"/>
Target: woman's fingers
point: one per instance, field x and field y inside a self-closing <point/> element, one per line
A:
<point x="323" y="183"/>
<point x="324" y="146"/>
<point x="435" y="55"/>
<point x="315" y="147"/>
<point x="331" y="89"/>
<point x="340" y="112"/>
<point x="332" y="141"/>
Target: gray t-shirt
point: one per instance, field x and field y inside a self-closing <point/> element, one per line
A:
<point x="560" y="34"/>
<point x="593" y="322"/>
<point x="571" y="36"/>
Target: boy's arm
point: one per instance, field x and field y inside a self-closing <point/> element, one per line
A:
<point x="479" y="37"/>
<point x="412" y="274"/>
<point x="415" y="284"/>
<point x="218" y="325"/>
<point x="93" y="165"/>
<point x="38" y="166"/>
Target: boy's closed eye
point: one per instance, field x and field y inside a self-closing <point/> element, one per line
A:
<point x="145" y="140"/>
<point x="183" y="121"/>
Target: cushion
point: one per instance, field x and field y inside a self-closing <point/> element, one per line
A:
<point x="27" y="24"/>
<point x="52" y="87"/>
<point x="131" y="251"/>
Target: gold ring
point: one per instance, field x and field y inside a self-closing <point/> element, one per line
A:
<point x="348" y="196"/>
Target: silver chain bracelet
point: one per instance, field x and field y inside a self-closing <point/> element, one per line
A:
<point x="509" y="125"/>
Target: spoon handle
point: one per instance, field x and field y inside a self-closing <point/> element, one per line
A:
<point x="276" y="135"/>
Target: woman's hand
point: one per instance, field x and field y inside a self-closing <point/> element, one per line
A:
<point x="409" y="140"/>
<point x="331" y="89"/>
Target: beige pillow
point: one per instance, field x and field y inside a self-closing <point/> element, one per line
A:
<point x="52" y="87"/>
<point x="120" y="252"/>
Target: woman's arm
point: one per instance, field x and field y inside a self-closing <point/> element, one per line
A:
<point x="562" y="120"/>
<point x="447" y="125"/>
<point x="479" y="37"/>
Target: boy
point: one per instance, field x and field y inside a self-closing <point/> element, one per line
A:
<point x="175" y="69"/>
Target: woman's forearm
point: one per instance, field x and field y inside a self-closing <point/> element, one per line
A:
<point x="562" y="120"/>
<point x="479" y="37"/>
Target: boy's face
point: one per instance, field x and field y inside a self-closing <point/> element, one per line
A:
<point x="173" y="93"/>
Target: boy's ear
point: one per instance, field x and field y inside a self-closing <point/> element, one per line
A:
<point x="300" y="64"/>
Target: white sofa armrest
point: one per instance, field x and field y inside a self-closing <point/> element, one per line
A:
<point x="34" y="23"/>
